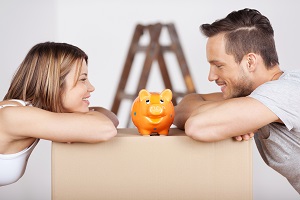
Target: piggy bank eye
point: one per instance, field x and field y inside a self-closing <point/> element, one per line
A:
<point x="147" y="101"/>
<point x="161" y="101"/>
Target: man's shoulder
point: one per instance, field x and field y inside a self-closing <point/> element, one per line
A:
<point x="291" y="75"/>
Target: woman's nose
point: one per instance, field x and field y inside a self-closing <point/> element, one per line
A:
<point x="90" y="87"/>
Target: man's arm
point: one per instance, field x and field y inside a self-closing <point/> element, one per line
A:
<point x="229" y="118"/>
<point x="191" y="102"/>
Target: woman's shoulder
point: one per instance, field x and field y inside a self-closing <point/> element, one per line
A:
<point x="13" y="111"/>
<point x="13" y="102"/>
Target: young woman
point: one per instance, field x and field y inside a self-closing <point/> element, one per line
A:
<point x="48" y="99"/>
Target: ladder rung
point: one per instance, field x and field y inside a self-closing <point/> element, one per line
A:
<point x="142" y="48"/>
<point x="166" y="48"/>
<point x="123" y="95"/>
<point x="178" y="94"/>
<point x="154" y="51"/>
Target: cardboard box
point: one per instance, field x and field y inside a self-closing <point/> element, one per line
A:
<point x="173" y="167"/>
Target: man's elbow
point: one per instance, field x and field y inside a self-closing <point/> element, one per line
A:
<point x="178" y="124"/>
<point x="198" y="132"/>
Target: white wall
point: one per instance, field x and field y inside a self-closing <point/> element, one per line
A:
<point x="103" y="29"/>
<point x="23" y="24"/>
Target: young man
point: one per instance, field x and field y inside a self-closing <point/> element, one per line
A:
<point x="257" y="96"/>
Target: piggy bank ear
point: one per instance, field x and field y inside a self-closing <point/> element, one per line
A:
<point x="166" y="94"/>
<point x="143" y="94"/>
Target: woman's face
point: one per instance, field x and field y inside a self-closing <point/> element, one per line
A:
<point x="75" y="97"/>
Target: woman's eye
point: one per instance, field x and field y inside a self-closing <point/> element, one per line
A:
<point x="147" y="101"/>
<point x="83" y="79"/>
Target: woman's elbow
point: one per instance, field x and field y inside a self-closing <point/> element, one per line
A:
<point x="109" y="134"/>
<point x="104" y="134"/>
<point x="115" y="122"/>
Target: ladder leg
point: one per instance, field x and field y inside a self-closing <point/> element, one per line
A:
<point x="151" y="55"/>
<point x="126" y="69"/>
<point x="181" y="59"/>
<point x="153" y="51"/>
<point x="165" y="74"/>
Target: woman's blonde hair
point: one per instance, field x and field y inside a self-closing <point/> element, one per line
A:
<point x="40" y="77"/>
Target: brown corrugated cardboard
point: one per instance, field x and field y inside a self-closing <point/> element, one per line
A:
<point x="135" y="167"/>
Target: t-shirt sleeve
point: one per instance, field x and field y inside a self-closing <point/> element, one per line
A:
<point x="283" y="98"/>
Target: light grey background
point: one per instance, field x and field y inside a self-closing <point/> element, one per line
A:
<point x="103" y="29"/>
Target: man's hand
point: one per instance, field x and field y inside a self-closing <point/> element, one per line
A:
<point x="245" y="137"/>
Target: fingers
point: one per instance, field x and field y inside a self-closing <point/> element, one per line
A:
<point x="245" y="137"/>
<point x="238" y="138"/>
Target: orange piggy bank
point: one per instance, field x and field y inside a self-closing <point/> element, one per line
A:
<point x="153" y="112"/>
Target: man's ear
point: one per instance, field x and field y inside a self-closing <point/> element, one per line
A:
<point x="251" y="59"/>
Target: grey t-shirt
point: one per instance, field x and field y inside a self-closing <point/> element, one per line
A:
<point x="279" y="144"/>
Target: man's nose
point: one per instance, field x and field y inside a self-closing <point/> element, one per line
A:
<point x="212" y="76"/>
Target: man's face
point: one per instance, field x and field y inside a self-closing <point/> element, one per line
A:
<point x="232" y="77"/>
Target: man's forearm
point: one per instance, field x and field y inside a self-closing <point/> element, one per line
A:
<point x="185" y="108"/>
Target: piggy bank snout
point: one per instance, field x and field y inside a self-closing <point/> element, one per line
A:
<point x="156" y="110"/>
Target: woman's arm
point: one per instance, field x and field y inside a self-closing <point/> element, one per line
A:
<point x="22" y="122"/>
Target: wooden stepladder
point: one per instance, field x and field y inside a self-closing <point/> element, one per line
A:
<point x="154" y="51"/>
